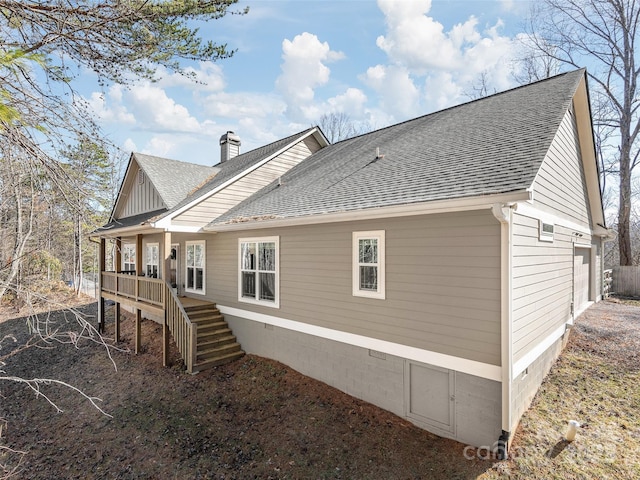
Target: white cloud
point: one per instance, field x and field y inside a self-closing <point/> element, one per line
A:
<point x="303" y="70"/>
<point x="352" y="102"/>
<point x="108" y="108"/>
<point x="129" y="145"/>
<point x="419" y="42"/>
<point x="208" y="77"/>
<point x="398" y="94"/>
<point x="431" y="68"/>
<point x="158" y="112"/>
<point x="244" y="104"/>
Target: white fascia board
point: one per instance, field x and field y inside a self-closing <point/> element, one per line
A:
<point x="183" y="229"/>
<point x="439" y="206"/>
<point x="471" y="367"/>
<point x="528" y="210"/>
<point x="165" y="222"/>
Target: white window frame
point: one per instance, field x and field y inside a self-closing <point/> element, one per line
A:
<point x="194" y="289"/>
<point x="275" y="303"/>
<point x="131" y="249"/>
<point x="149" y="247"/>
<point x="544" y="235"/>
<point x="380" y="292"/>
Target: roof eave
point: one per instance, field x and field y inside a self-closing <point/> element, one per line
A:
<point x="423" y="208"/>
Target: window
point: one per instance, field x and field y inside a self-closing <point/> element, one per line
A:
<point x="152" y="256"/>
<point x="128" y="257"/>
<point x="195" y="266"/>
<point x="546" y="231"/>
<point x="258" y="281"/>
<point x="369" y="264"/>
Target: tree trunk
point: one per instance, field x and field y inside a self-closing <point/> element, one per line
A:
<point x="22" y="232"/>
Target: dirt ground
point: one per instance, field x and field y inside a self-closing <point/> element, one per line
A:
<point x="254" y="418"/>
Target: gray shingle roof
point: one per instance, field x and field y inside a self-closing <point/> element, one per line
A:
<point x="488" y="146"/>
<point x="173" y="179"/>
<point x="128" y="221"/>
<point x="237" y="165"/>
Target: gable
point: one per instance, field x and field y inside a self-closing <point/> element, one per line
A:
<point x="560" y="185"/>
<point x="137" y="194"/>
<point x="208" y="209"/>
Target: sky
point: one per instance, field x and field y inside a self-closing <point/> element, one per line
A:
<point x="379" y="62"/>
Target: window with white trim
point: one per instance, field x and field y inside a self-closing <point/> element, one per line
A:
<point x="128" y="257"/>
<point x="546" y="231"/>
<point x="369" y="264"/>
<point x="195" y="266"/>
<point x="258" y="280"/>
<point x="152" y="257"/>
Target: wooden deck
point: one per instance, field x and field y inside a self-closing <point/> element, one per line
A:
<point x="196" y="326"/>
<point x="188" y="302"/>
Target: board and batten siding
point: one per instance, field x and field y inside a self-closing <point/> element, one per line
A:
<point x="141" y="197"/>
<point x="559" y="186"/>
<point x="212" y="207"/>
<point x="442" y="281"/>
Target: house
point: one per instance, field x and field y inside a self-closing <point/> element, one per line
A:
<point x="433" y="268"/>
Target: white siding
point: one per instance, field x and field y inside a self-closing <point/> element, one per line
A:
<point x="217" y="204"/>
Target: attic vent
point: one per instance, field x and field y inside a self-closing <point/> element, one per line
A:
<point x="140" y="177"/>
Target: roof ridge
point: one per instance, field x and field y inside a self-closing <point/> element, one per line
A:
<point x="469" y="102"/>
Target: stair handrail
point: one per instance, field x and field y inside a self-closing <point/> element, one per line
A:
<point x="183" y="330"/>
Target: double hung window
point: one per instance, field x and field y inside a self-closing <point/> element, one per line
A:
<point x="258" y="281"/>
<point x="128" y="257"/>
<point x="369" y="264"/>
<point x="195" y="267"/>
<point x="152" y="259"/>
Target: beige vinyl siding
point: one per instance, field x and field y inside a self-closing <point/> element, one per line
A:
<point x="560" y="186"/>
<point x="217" y="204"/>
<point x="442" y="281"/>
<point x="141" y="198"/>
<point x="542" y="283"/>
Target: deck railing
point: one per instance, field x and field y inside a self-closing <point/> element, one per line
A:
<point x="183" y="331"/>
<point x="156" y="293"/>
<point x="132" y="287"/>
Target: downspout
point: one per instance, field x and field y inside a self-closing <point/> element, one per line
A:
<point x="504" y="214"/>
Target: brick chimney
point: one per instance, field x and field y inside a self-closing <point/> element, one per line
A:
<point x="229" y="146"/>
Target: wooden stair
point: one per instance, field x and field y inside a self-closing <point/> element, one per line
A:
<point x="216" y="344"/>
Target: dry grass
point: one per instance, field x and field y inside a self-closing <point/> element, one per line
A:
<point x="596" y="383"/>
<point x="259" y="419"/>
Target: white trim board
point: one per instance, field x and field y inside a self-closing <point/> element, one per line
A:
<point x="425" y="208"/>
<point x="536" y="352"/>
<point x="528" y="210"/>
<point x="463" y="365"/>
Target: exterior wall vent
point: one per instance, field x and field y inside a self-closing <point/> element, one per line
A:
<point x="140" y="177"/>
<point x="229" y="146"/>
